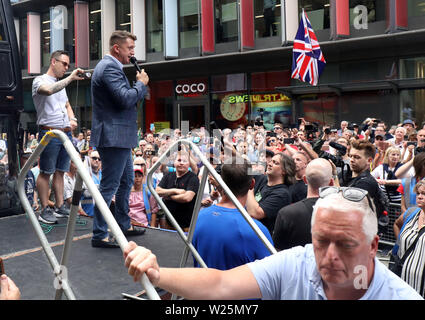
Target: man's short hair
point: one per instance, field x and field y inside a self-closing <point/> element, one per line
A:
<point x="338" y="203"/>
<point x="235" y="176"/>
<point x="368" y="148"/>
<point x="56" y="54"/>
<point x="120" y="36"/>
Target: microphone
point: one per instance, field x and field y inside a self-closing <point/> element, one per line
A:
<point x="133" y="60"/>
<point x="342" y="149"/>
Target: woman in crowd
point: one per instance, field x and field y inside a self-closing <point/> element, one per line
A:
<point x="385" y="174"/>
<point x="412" y="235"/>
<point x="143" y="206"/>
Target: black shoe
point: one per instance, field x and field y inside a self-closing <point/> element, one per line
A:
<point x="111" y="243"/>
<point x="135" y="231"/>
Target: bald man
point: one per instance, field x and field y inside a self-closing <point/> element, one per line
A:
<point x="293" y="226"/>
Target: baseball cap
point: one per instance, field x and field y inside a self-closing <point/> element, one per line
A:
<point x="380" y="135"/>
<point x="138" y="169"/>
<point x="408" y="121"/>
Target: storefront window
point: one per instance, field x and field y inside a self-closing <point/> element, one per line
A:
<point x="230" y="100"/>
<point x="416" y="8"/>
<point x="412" y="104"/>
<point x="123" y="21"/>
<point x="45" y="39"/>
<point x="69" y="39"/>
<point x="155" y="26"/>
<point x="267" y="18"/>
<point x="23" y="39"/>
<point x="268" y="104"/>
<point x="189" y="26"/>
<point x="226" y="16"/>
<point x="317" y="12"/>
<point x="160" y="106"/>
<point x="375" y="10"/>
<point x="95" y="31"/>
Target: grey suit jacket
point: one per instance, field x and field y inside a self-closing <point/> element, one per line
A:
<point x="114" y="101"/>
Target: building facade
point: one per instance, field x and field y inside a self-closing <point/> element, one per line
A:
<point x="229" y="61"/>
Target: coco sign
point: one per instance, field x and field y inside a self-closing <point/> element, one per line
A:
<point x="190" y="89"/>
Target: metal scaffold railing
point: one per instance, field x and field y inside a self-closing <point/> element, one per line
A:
<point x="187" y="239"/>
<point x="82" y="176"/>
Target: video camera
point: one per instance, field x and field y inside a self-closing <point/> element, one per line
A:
<point x="337" y="160"/>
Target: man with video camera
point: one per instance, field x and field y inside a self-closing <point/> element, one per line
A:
<point x="361" y="155"/>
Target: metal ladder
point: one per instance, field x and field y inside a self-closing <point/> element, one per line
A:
<point x="82" y="175"/>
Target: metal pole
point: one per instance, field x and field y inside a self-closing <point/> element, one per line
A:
<point x="76" y="196"/>
<point x="33" y="219"/>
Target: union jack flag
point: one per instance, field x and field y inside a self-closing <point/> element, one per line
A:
<point x="308" y="61"/>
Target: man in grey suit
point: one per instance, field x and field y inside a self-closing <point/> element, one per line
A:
<point x="114" y="133"/>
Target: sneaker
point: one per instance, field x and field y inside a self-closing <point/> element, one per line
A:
<point x="62" y="212"/>
<point x="47" y="216"/>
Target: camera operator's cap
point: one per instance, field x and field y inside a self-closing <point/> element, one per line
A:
<point x="408" y="121"/>
<point x="354" y="125"/>
<point x="138" y="168"/>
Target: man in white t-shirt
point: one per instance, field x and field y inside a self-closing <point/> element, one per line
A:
<point x="54" y="112"/>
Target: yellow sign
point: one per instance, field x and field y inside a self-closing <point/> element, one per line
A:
<point x="159" y="126"/>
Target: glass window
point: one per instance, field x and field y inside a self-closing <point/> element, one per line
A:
<point x="267" y="18"/>
<point x="45" y="39"/>
<point x="123" y="16"/>
<point x="95" y="31"/>
<point x="376" y="10"/>
<point x="412" y="68"/>
<point x="160" y="106"/>
<point x="23" y="39"/>
<point x="189" y="26"/>
<point x="155" y="26"/>
<point x="416" y="8"/>
<point x="411" y="105"/>
<point x="226" y="17"/>
<point x="317" y="12"/>
<point x="69" y="39"/>
<point x="230" y="100"/>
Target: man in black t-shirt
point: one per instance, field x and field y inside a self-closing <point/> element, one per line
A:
<point x="271" y="191"/>
<point x="293" y="222"/>
<point x="299" y="189"/>
<point x="178" y="190"/>
<point x="361" y="156"/>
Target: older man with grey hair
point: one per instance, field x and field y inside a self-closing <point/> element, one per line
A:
<point x="341" y="262"/>
<point x="292" y="227"/>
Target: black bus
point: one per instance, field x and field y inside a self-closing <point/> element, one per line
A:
<point x="11" y="105"/>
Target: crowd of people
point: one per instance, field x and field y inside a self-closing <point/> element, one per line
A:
<point x="319" y="194"/>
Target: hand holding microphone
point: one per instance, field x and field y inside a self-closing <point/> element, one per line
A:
<point x="141" y="75"/>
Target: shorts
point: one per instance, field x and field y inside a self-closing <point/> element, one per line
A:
<point x="54" y="156"/>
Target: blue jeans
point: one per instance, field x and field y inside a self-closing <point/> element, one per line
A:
<point x="117" y="179"/>
<point x="54" y="156"/>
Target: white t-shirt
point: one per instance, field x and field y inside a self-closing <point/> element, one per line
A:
<point x="51" y="110"/>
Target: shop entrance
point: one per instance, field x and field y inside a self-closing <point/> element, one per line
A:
<point x="193" y="111"/>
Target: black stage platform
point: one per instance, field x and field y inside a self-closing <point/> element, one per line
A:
<point x="94" y="273"/>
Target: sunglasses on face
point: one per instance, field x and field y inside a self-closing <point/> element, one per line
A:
<point x="95" y="158"/>
<point x="349" y="193"/>
<point x="65" y="64"/>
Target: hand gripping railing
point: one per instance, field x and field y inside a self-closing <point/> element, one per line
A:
<point x="61" y="281"/>
<point x="209" y="168"/>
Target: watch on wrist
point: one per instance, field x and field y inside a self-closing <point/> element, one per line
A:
<point x="74" y="119"/>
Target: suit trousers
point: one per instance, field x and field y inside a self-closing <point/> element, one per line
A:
<point x="117" y="179"/>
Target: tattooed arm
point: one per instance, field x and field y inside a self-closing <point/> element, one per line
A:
<point x="49" y="89"/>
